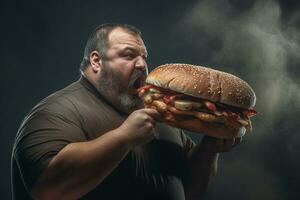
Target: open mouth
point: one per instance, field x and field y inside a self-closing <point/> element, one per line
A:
<point x="137" y="83"/>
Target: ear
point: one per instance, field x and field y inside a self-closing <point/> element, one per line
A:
<point x="96" y="62"/>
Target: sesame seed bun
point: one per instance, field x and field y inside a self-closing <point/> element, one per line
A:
<point x="204" y="82"/>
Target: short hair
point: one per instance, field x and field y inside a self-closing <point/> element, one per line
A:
<point x="98" y="41"/>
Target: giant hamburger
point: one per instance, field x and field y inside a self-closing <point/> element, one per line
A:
<point x="200" y="99"/>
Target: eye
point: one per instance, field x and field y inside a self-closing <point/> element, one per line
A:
<point x="129" y="55"/>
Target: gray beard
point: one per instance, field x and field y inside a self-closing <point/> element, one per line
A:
<point x="111" y="87"/>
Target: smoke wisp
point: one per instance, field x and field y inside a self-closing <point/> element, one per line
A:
<point x="257" y="44"/>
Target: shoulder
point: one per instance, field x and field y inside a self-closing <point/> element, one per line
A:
<point x="54" y="113"/>
<point x="62" y="100"/>
<point x="60" y="104"/>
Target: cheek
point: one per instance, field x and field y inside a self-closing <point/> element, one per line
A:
<point x="126" y="71"/>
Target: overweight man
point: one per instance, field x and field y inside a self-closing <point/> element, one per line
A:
<point x="95" y="140"/>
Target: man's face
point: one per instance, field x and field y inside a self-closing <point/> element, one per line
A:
<point x="124" y="69"/>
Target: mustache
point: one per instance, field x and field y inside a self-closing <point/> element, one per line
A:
<point x="136" y="75"/>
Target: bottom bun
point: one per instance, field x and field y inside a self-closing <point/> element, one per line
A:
<point x="217" y="130"/>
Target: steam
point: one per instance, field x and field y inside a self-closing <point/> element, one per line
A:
<point x="256" y="43"/>
<point x="263" y="48"/>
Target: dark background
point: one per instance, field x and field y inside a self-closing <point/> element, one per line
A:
<point x="42" y="45"/>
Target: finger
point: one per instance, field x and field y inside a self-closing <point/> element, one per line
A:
<point x="154" y="114"/>
<point x="151" y="125"/>
<point x="209" y="139"/>
<point x="151" y="120"/>
<point x="144" y="116"/>
<point x="238" y="140"/>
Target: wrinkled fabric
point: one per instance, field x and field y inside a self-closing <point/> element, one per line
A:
<point x="79" y="113"/>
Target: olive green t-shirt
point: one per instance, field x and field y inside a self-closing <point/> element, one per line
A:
<point x="79" y="113"/>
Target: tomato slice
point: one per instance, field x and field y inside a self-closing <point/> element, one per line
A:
<point x="210" y="106"/>
<point x="250" y="112"/>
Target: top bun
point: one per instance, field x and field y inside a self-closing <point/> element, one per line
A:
<point x="203" y="82"/>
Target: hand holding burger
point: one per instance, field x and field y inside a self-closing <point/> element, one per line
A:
<point x="200" y="99"/>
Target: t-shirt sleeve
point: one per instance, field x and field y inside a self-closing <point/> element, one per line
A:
<point x="41" y="136"/>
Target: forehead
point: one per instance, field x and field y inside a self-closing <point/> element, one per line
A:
<point x="119" y="37"/>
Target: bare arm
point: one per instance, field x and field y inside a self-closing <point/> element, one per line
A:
<point x="80" y="167"/>
<point x="203" y="163"/>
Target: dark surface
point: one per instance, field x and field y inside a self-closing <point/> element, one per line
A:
<point x="42" y="45"/>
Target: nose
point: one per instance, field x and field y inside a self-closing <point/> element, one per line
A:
<point x="141" y="63"/>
